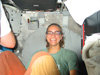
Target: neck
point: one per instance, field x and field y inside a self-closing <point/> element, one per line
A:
<point x="53" y="49"/>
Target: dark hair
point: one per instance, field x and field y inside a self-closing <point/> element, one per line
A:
<point x="62" y="40"/>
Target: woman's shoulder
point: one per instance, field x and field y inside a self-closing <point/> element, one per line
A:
<point x="67" y="51"/>
<point x="70" y="54"/>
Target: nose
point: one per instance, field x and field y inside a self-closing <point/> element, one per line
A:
<point x="53" y="34"/>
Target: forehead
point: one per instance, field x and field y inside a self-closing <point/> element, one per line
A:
<point x="54" y="28"/>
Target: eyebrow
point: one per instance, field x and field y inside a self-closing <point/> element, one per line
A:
<point x="54" y="31"/>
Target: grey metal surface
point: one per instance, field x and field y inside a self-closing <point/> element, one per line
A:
<point x="35" y="42"/>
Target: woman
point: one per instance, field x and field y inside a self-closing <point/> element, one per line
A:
<point x="66" y="60"/>
<point x="54" y="60"/>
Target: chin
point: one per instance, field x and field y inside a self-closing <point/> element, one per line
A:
<point x="53" y="44"/>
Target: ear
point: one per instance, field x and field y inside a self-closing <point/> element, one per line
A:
<point x="61" y="36"/>
<point x="46" y="35"/>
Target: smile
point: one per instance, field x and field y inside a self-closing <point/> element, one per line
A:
<point x="53" y="39"/>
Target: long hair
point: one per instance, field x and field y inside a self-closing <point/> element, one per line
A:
<point x="62" y="40"/>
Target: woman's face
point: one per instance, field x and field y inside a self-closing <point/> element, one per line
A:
<point x="54" y="35"/>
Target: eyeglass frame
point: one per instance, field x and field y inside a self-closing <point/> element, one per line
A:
<point x="59" y="32"/>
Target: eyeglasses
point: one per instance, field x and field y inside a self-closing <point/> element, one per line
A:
<point x="56" y="33"/>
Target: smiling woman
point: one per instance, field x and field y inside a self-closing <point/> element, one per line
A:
<point x="51" y="32"/>
<point x="66" y="60"/>
<point x="54" y="60"/>
<point x="54" y="39"/>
